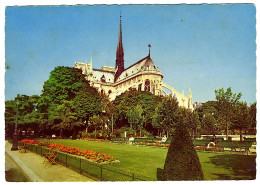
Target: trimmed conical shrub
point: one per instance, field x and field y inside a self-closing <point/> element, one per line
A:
<point x="182" y="161"/>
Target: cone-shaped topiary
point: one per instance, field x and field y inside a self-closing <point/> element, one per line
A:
<point x="182" y="161"/>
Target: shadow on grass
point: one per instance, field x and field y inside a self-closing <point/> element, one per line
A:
<point x="242" y="166"/>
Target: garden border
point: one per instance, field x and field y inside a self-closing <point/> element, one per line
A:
<point x="93" y="170"/>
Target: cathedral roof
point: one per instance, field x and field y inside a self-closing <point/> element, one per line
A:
<point x="144" y="65"/>
<point x="103" y="75"/>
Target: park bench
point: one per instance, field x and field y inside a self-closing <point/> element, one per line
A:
<point x="51" y="157"/>
<point x="118" y="139"/>
<point x="242" y="147"/>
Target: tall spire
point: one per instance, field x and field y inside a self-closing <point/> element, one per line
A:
<point x="119" y="52"/>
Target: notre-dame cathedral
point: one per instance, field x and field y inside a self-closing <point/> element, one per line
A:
<point x="143" y="75"/>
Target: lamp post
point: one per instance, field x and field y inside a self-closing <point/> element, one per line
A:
<point x="15" y="136"/>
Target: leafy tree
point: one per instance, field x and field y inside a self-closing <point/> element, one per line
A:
<point x="132" y="98"/>
<point x="167" y="114"/>
<point x="10" y="117"/>
<point x="241" y="118"/>
<point x="252" y="113"/>
<point x="64" y="118"/>
<point x="182" y="161"/>
<point x="225" y="106"/>
<point x="193" y="122"/>
<point x="209" y="123"/>
<point x="87" y="102"/>
<point x="209" y="107"/>
<point x="63" y="84"/>
<point x="96" y="121"/>
<point x="135" y="117"/>
<point x="19" y="109"/>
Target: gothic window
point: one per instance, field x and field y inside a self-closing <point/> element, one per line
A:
<point x="103" y="79"/>
<point x="153" y="90"/>
<point x="102" y="92"/>
<point x="140" y="87"/>
<point x="147" y="85"/>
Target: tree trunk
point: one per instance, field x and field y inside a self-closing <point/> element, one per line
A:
<point x="226" y="131"/>
<point x="74" y="134"/>
<point x="112" y="124"/>
<point x="61" y="130"/>
<point x="95" y="133"/>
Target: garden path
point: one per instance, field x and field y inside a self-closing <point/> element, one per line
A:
<point x="33" y="168"/>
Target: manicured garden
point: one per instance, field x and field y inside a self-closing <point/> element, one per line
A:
<point x="144" y="160"/>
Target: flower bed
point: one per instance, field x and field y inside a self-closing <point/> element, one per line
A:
<point x="154" y="144"/>
<point x="100" y="140"/>
<point x="93" y="156"/>
<point x="212" y="148"/>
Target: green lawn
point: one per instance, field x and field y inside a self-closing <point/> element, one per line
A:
<point x="145" y="160"/>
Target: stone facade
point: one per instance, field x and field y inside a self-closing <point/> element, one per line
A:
<point x="143" y="75"/>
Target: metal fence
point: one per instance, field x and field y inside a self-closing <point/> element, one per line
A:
<point x="95" y="171"/>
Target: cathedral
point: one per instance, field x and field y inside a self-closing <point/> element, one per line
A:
<point x="143" y="75"/>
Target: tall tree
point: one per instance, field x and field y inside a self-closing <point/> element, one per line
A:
<point x="132" y="98"/>
<point x="209" y="123"/>
<point x="63" y="84"/>
<point x="241" y="118"/>
<point x="135" y="117"/>
<point x="97" y="122"/>
<point x="64" y="118"/>
<point x="193" y="122"/>
<point x="167" y="114"/>
<point x="252" y="113"/>
<point x="226" y="101"/>
<point x="87" y="102"/>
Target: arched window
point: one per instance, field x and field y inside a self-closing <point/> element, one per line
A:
<point x="147" y="85"/>
<point x="102" y="91"/>
<point x="140" y="87"/>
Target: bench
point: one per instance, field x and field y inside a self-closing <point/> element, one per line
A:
<point x="51" y="157"/>
<point x="23" y="148"/>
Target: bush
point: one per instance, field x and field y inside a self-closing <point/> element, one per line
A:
<point x="182" y="161"/>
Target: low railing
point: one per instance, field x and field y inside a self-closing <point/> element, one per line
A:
<point x="95" y="171"/>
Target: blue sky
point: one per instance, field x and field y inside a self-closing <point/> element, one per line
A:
<point x="202" y="47"/>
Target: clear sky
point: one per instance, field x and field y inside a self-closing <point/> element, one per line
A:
<point x="202" y="47"/>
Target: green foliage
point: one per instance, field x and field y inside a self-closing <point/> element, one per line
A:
<point x="130" y="99"/>
<point x="241" y="118"/>
<point x="167" y="114"/>
<point x="208" y="107"/>
<point x="252" y="114"/>
<point x="225" y="106"/>
<point x="64" y="117"/>
<point x="182" y="161"/>
<point x="87" y="103"/>
<point x="62" y="84"/>
<point x="135" y="116"/>
<point x="209" y="123"/>
<point x="22" y="108"/>
<point x="192" y="121"/>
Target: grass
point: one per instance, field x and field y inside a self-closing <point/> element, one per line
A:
<point x="144" y="161"/>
